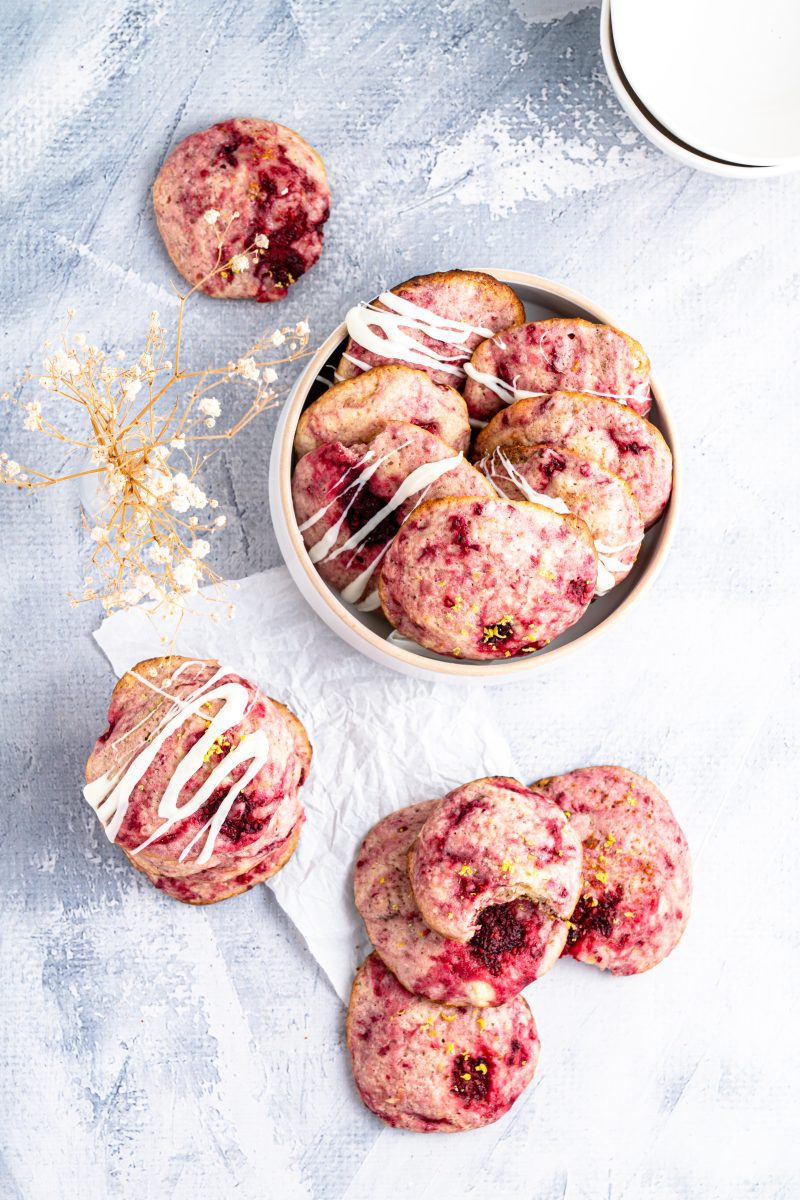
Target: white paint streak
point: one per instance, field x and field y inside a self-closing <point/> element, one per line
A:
<point x="499" y="164"/>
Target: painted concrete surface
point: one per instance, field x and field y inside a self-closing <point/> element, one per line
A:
<point x="150" y="1050"/>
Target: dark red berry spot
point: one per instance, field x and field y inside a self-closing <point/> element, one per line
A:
<point x="499" y="934"/>
<point x="471" y="1079"/>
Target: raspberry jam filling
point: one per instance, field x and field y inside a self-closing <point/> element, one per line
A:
<point x="471" y="1080"/>
<point x="500" y="933"/>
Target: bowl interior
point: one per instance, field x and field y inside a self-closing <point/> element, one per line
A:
<point x="541" y="299"/>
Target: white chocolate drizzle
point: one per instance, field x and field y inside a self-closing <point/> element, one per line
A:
<point x="110" y="795"/>
<point x="608" y="560"/>
<point x="419" y="480"/>
<point x="397" y="317"/>
<point x="509" y="393"/>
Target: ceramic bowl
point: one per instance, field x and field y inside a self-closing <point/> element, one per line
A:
<point x="658" y="134"/>
<point x="370" y="632"/>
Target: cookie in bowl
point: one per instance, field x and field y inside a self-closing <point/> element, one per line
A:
<point x="432" y="322"/>
<point x="557" y="355"/>
<point x="608" y="433"/>
<point x="570" y="482"/>
<point x="247" y="192"/>
<point x="513" y="944"/>
<point x="487" y="579"/>
<point x="637" y="888"/>
<point x="356" y="410"/>
<point x="428" y="1068"/>
<point x="197" y="778"/>
<point x="350" y="501"/>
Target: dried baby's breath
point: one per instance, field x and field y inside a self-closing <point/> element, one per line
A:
<point x="149" y="427"/>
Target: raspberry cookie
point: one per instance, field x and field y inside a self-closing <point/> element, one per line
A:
<point x="572" y="483"/>
<point x="490" y="842"/>
<point x="614" y="437"/>
<point x="358" y="409"/>
<point x="350" y="501"/>
<point x="487" y="579"/>
<point x="197" y="778"/>
<point x="559" y="355"/>
<point x="421" y="1066"/>
<point x="637" y="876"/>
<point x="513" y="944"/>
<point x="433" y="322"/>
<point x="261" y="189"/>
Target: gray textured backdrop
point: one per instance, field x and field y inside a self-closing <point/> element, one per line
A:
<point x="157" y="1055"/>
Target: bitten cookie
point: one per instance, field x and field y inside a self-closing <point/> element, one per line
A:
<point x="490" y="842"/>
<point x="513" y="943"/>
<point x="573" y="483"/>
<point x="427" y="1068"/>
<point x="484" y="579"/>
<point x="358" y="409"/>
<point x="637" y="881"/>
<point x="433" y="322"/>
<point x="350" y="501"/>
<point x="615" y="437"/>
<point x="197" y="778"/>
<point x="559" y="355"/>
<point x="272" y="179"/>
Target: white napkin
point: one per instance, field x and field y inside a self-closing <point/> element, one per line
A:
<point x="380" y="740"/>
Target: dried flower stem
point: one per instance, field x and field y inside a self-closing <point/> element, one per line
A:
<point x="144" y="547"/>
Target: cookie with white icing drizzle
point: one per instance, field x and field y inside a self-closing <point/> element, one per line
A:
<point x="568" y="482"/>
<point x="560" y="354"/>
<point x="350" y="501"/>
<point x="356" y="410"/>
<point x="608" y="433"/>
<point x="432" y="322"/>
<point x="197" y="778"/>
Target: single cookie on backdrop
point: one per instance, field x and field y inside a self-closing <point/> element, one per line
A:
<point x="356" y="410"/>
<point x="613" y="436"/>
<point x="433" y="322"/>
<point x="637" y="874"/>
<point x="490" y="842"/>
<point x="350" y="501"/>
<point x="197" y="778"/>
<point x="563" y="354"/>
<point x="257" y="185"/>
<point x="514" y="943"/>
<point x="570" y="482"/>
<point x="421" y="1066"/>
<point x="487" y="579"/>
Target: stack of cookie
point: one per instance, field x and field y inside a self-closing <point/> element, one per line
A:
<point x="197" y="778"/>
<point x="495" y="560"/>
<point x="470" y="898"/>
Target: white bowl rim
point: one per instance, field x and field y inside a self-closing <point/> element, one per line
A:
<point x="660" y="137"/>
<point x="333" y="610"/>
